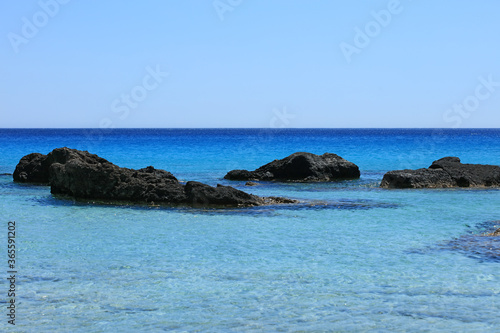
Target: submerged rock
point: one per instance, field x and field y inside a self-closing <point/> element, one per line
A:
<point x="495" y="233"/>
<point x="484" y="246"/>
<point x="445" y="172"/>
<point x="279" y="200"/>
<point x="305" y="167"/>
<point x="87" y="176"/>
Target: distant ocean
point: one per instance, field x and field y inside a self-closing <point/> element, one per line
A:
<point x="350" y="257"/>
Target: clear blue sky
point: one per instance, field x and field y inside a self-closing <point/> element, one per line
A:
<point x="245" y="63"/>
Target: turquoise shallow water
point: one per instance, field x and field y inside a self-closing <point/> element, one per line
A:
<point x="351" y="257"/>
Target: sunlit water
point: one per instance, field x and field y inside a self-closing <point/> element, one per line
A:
<point x="349" y="257"/>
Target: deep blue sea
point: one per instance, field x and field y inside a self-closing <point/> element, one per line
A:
<point x="350" y="258"/>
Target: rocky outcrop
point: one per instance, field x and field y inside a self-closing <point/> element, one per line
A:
<point x="87" y="176"/>
<point x="303" y="167"/>
<point x="445" y="172"/>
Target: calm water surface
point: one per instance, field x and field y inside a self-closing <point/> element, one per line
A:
<point x="351" y="257"/>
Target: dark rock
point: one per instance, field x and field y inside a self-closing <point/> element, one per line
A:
<point x="420" y="178"/>
<point x="106" y="181"/>
<point x="30" y="169"/>
<point x="445" y="172"/>
<point x="202" y="194"/>
<point x="305" y="167"/>
<point x="251" y="184"/>
<point x="87" y="176"/>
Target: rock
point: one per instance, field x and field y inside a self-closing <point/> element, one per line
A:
<point x="87" y="176"/>
<point x="251" y="184"/>
<point x="304" y="167"/>
<point x="445" y="172"/>
<point x="279" y="200"/>
<point x="107" y="181"/>
<point x="30" y="169"/>
<point x="495" y="233"/>
<point x="200" y="194"/>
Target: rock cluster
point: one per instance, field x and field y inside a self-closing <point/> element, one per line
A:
<point x="88" y="176"/>
<point x="83" y="175"/>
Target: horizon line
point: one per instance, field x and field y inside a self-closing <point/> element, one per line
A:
<point x="245" y="128"/>
<point x="260" y="128"/>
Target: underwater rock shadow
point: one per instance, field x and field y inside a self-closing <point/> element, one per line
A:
<point x="341" y="204"/>
<point x="479" y="243"/>
<point x="484" y="248"/>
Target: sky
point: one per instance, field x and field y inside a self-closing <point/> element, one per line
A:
<point x="249" y="63"/>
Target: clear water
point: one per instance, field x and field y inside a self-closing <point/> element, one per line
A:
<point x="351" y="257"/>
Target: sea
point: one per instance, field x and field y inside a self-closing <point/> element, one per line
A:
<point x="349" y="257"/>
